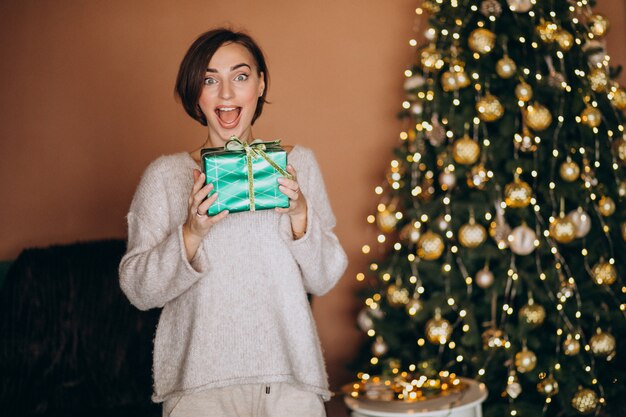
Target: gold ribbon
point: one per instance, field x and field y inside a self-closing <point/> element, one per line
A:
<point x="254" y="150"/>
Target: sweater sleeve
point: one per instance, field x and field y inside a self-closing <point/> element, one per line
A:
<point x="318" y="253"/>
<point x="155" y="269"/>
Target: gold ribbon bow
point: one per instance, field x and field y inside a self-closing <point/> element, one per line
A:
<point x="254" y="150"/>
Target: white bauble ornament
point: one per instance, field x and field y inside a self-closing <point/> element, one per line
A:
<point x="379" y="347"/>
<point x="411" y="83"/>
<point x="595" y="51"/>
<point x="484" y="278"/>
<point x="364" y="321"/>
<point x="520" y="6"/>
<point x="430" y="34"/>
<point x="513" y="389"/>
<point x="522" y="240"/>
<point x="447" y="180"/>
<point x="581" y="220"/>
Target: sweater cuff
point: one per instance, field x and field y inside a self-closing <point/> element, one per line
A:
<point x="199" y="263"/>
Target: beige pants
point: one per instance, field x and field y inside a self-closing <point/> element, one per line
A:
<point x="258" y="400"/>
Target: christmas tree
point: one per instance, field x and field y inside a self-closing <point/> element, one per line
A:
<point x="501" y="224"/>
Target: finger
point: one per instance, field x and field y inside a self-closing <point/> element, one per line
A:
<point x="202" y="193"/>
<point x="198" y="181"/>
<point x="292" y="171"/>
<point x="219" y="216"/>
<point x="204" y="206"/>
<point x="282" y="210"/>
<point x="292" y="194"/>
<point x="291" y="184"/>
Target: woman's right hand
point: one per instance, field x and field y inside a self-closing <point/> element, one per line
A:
<point x="198" y="222"/>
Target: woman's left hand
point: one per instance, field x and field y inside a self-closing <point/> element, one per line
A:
<point x="297" y="210"/>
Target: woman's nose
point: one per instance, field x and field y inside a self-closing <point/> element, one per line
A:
<point x="226" y="91"/>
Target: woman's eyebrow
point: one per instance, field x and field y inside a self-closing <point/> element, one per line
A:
<point x="234" y="67"/>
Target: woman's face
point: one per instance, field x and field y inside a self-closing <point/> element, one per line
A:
<point x="232" y="87"/>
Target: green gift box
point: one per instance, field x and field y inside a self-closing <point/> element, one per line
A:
<point x="245" y="176"/>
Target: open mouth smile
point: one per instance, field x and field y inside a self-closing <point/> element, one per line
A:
<point x="228" y="117"/>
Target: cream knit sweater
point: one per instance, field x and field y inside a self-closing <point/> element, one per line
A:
<point x="238" y="313"/>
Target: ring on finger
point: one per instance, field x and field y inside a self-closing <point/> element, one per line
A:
<point x="200" y="214"/>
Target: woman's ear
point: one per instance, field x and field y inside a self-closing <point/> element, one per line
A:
<point x="261" y="84"/>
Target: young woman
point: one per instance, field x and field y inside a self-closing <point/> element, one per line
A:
<point x="236" y="335"/>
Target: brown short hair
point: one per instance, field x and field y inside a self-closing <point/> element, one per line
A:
<point x="192" y="69"/>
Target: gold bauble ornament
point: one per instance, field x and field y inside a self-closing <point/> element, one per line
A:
<point x="547" y="31"/>
<point x="564" y="39"/>
<point x="472" y="234"/>
<point x="522" y="240"/>
<point x="484" y="278"/>
<point x="386" y="221"/>
<point x="591" y="116"/>
<point x="482" y="40"/>
<point x="533" y="314"/>
<point x="548" y="386"/>
<point x="566" y="290"/>
<point x="618" y="98"/>
<point x="465" y="151"/>
<point x="569" y="170"/>
<point x="438" y="330"/>
<point x="379" y="347"/>
<point x="454" y="80"/>
<point x="619" y="148"/>
<point x="598" y="25"/>
<point x="493" y="338"/>
<point x="490" y="8"/>
<point x="602" y="344"/>
<point x="523" y="91"/>
<point x="462" y="80"/>
<point x="525" y="360"/>
<point x="563" y="229"/>
<point x="585" y="401"/>
<point x="505" y="67"/>
<point x="397" y="295"/>
<point x="581" y="220"/>
<point x="448" y="81"/>
<point x="414" y="306"/>
<point x="571" y="346"/>
<point x="517" y="194"/>
<point x="478" y="176"/>
<point x="606" y="206"/>
<point x="430" y="6"/>
<point x="430" y="246"/>
<point x="526" y="141"/>
<point x="604" y="273"/>
<point x="623" y="229"/>
<point x="520" y="6"/>
<point x="410" y="233"/>
<point x="431" y="59"/>
<point x="598" y="79"/>
<point x="489" y="108"/>
<point x="621" y="188"/>
<point x="500" y="232"/>
<point x="537" y="117"/>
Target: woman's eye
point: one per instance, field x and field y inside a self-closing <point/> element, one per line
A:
<point x="209" y="81"/>
<point x="241" y="77"/>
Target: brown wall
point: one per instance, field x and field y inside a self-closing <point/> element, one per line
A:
<point x="87" y="102"/>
